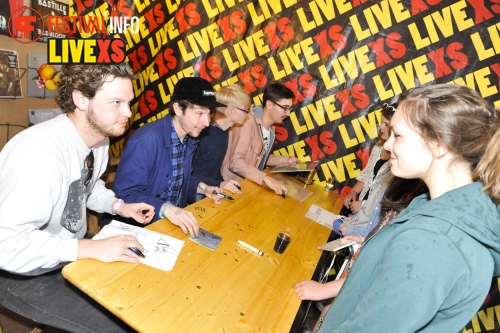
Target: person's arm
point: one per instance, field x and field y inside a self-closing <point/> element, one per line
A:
<point x="353" y="194"/>
<point x="27" y="201"/>
<point x="316" y="291"/>
<point x="274" y="160"/>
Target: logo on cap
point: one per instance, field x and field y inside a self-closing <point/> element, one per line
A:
<point x="208" y="93"/>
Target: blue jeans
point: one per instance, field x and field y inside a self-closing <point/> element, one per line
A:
<point x="336" y="225"/>
<point x="51" y="300"/>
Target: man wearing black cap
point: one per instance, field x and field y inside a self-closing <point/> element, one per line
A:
<point x="156" y="163"/>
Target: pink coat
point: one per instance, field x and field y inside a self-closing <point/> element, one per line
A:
<point x="245" y="151"/>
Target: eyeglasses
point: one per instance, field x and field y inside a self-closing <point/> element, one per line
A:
<point x="285" y="108"/>
<point x="246" y="111"/>
<point x="390" y="107"/>
<point x="89" y="162"/>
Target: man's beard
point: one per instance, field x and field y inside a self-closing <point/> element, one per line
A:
<point x="97" y="128"/>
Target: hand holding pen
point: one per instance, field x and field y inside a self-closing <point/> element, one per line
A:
<point x="222" y="195"/>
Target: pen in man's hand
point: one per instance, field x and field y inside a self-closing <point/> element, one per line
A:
<point x="145" y="211"/>
<point x="237" y="186"/>
<point x="283" y="194"/>
<point x="222" y="195"/>
<point x="137" y="251"/>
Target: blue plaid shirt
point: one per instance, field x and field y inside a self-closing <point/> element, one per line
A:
<point x="173" y="192"/>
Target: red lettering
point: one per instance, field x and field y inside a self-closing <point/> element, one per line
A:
<point x="363" y="155"/>
<point x="82" y="6"/>
<point x="281" y="133"/>
<point x="274" y="40"/>
<point x="293" y="85"/>
<point x="138" y="58"/>
<point x="313" y="143"/>
<point x="258" y="74"/>
<point x="330" y="147"/>
<point x="398" y="48"/>
<point x="245" y="77"/>
<point x="361" y="99"/>
<point x="118" y="48"/>
<point x="324" y="48"/>
<point x="459" y="61"/>
<point x="164" y="68"/>
<point x="240" y="25"/>
<point x="227" y="32"/>
<point x="339" y="41"/>
<point x="154" y="17"/>
<point x="194" y="16"/>
<point x="181" y="21"/>
<point x="152" y="102"/>
<point x="306" y="81"/>
<point x="213" y="64"/>
<point x="378" y="46"/>
<point x="418" y="6"/>
<point x="124" y="9"/>
<point x="103" y="46"/>
<point x="287" y="32"/>
<point x="24" y="23"/>
<point x="170" y="58"/>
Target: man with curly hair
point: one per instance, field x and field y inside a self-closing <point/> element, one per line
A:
<point x="49" y="174"/>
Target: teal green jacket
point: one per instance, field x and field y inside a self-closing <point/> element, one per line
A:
<point x="429" y="270"/>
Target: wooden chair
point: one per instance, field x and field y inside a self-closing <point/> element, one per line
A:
<point x="108" y="177"/>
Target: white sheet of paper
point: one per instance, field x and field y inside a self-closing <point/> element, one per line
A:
<point x="322" y="216"/>
<point x="161" y="251"/>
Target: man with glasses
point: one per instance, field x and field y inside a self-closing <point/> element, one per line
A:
<point x="49" y="175"/>
<point x="156" y="164"/>
<point x="250" y="145"/>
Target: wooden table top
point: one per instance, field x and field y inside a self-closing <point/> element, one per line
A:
<point x="231" y="289"/>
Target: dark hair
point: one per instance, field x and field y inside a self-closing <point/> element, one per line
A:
<point x="458" y="118"/>
<point x="184" y="105"/>
<point x="87" y="79"/>
<point x="275" y="91"/>
<point x="387" y="112"/>
<point x="400" y="192"/>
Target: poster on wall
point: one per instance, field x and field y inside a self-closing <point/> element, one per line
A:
<point x="52" y="13"/>
<point x="10" y="9"/>
<point x="42" y="77"/>
<point x="10" y="83"/>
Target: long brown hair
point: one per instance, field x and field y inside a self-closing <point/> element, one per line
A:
<point x="459" y="119"/>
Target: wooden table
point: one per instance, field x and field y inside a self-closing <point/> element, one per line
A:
<point x="230" y="289"/>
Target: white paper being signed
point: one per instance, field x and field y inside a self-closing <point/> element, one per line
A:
<point x="161" y="251"/>
<point x="322" y="216"/>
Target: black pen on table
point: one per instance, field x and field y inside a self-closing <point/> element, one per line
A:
<point x="283" y="194"/>
<point x="137" y="251"/>
<point x="222" y="195"/>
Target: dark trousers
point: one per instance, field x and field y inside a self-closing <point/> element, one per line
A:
<point x="51" y="300"/>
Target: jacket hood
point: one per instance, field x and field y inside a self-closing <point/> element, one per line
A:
<point x="467" y="208"/>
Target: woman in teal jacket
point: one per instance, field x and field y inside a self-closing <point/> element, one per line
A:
<point x="430" y="269"/>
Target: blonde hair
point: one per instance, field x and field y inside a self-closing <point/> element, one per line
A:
<point x="459" y="119"/>
<point x="232" y="95"/>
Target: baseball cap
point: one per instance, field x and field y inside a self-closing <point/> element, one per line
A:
<point x="196" y="91"/>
